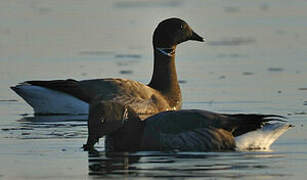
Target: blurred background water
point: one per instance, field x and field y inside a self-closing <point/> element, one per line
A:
<point x="254" y="61"/>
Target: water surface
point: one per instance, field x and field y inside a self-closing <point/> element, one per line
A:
<point x="254" y="61"/>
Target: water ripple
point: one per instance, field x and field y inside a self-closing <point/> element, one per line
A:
<point x="48" y="127"/>
<point x="184" y="165"/>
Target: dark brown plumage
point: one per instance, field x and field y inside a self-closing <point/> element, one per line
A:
<point x="162" y="93"/>
<point x="183" y="130"/>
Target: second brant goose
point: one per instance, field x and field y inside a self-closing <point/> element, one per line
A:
<point x="182" y="130"/>
<point x="161" y="94"/>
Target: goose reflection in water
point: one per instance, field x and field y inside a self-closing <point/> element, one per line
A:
<point x="101" y="163"/>
<point x="183" y="164"/>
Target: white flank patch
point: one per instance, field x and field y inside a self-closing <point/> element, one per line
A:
<point x="261" y="139"/>
<point x="47" y="101"/>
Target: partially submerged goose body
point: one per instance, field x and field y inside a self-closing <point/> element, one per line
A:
<point x="183" y="130"/>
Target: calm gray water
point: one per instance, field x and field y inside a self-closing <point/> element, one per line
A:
<point x="254" y="61"/>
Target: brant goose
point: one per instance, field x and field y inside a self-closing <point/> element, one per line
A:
<point x="182" y="130"/>
<point x="161" y="94"/>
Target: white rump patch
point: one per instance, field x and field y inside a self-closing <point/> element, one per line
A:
<point x="261" y="139"/>
<point x="47" y="101"/>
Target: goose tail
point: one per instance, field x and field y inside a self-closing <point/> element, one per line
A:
<point x="46" y="101"/>
<point x="261" y="139"/>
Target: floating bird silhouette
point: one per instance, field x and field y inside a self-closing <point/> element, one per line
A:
<point x="161" y="94"/>
<point x="182" y="130"/>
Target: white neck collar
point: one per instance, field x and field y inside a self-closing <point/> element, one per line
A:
<point x="167" y="51"/>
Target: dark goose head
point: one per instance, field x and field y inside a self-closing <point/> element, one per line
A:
<point x="172" y="32"/>
<point x="118" y="122"/>
<point x="106" y="117"/>
<point x="168" y="34"/>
